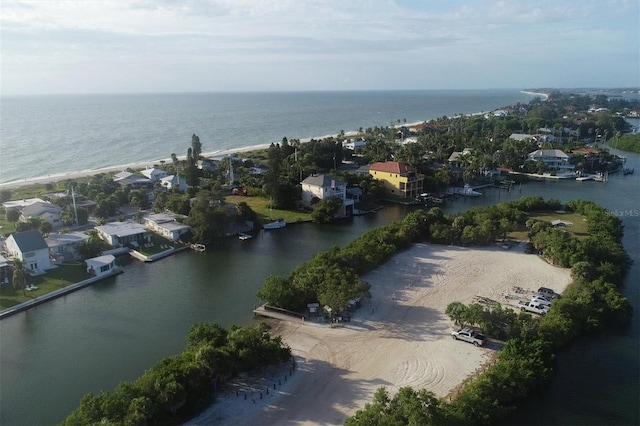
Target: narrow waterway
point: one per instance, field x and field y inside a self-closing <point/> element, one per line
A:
<point x="51" y="355"/>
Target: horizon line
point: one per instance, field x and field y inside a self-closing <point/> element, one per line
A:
<point x="186" y="92"/>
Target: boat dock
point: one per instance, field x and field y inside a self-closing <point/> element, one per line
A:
<point x="278" y="313"/>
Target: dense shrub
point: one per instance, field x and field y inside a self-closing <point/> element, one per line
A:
<point x="179" y="386"/>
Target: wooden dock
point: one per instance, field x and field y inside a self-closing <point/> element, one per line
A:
<point x="278" y="313"/>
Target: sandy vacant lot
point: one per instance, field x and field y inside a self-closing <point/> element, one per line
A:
<point x="401" y="337"/>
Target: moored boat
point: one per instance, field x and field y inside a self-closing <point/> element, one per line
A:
<point x="276" y="224"/>
<point x="468" y="191"/>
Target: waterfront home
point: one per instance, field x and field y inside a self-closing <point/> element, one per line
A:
<point x="555" y="159"/>
<point x="20" y="204"/>
<point x="153" y="174"/>
<point x="101" y="265"/>
<point x="166" y="225"/>
<point x="127" y="233"/>
<point x="457" y="158"/>
<point x="322" y="187"/>
<point x="591" y="156"/>
<point x="65" y="246"/>
<point x="206" y="165"/>
<point x="173" y="182"/>
<point x="132" y="180"/>
<point x="44" y="211"/>
<point x="399" y="179"/>
<point x="31" y="249"/>
<point x="352" y="144"/>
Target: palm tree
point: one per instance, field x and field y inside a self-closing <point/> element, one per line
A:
<point x="19" y="276"/>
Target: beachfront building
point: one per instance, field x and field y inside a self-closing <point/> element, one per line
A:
<point x="31" y="249"/>
<point x="132" y="180"/>
<point x="118" y="234"/>
<point x="322" y="187"/>
<point x="20" y="204"/>
<point x="555" y="160"/>
<point x="101" y="265"/>
<point x="166" y="225"/>
<point x="153" y="174"/>
<point x="399" y="179"/>
<point x="352" y="144"/>
<point x="44" y="211"/>
<point x="173" y="182"/>
<point x="65" y="246"/>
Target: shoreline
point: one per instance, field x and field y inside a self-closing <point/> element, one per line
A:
<point x="543" y="95"/>
<point x="58" y="177"/>
<point x="140" y="165"/>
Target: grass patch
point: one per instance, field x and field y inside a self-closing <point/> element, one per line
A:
<point x="60" y="277"/>
<point x="576" y="225"/>
<point x="261" y="207"/>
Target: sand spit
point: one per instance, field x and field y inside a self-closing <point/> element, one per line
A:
<point x="401" y="337"/>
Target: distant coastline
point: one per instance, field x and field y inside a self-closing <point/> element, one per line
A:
<point x="543" y="95"/>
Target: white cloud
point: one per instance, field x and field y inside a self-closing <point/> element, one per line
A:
<point x="312" y="44"/>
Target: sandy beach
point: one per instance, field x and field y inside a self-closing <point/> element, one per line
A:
<point x="401" y="337"/>
<point x="111" y="169"/>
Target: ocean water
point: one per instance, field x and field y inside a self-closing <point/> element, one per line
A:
<point x="51" y="135"/>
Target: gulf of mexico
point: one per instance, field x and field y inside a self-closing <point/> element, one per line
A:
<point x="48" y="135"/>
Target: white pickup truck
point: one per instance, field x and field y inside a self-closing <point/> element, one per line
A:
<point x="468" y="335"/>
<point x="535" y="307"/>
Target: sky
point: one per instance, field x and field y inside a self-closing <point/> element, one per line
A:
<point x="142" y="46"/>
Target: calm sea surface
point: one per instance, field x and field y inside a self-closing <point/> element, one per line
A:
<point x="53" y="354"/>
<point x="51" y="135"/>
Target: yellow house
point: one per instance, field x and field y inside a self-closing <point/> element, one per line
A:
<point x="399" y="179"/>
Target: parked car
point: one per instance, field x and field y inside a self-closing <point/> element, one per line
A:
<point x="468" y="335"/>
<point x="542" y="299"/>
<point x="548" y="293"/>
<point x="535" y="307"/>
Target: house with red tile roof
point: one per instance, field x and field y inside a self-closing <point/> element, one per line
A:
<point x="400" y="180"/>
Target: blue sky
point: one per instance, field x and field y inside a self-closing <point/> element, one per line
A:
<point x="88" y="46"/>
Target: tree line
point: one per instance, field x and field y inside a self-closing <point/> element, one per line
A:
<point x="178" y="387"/>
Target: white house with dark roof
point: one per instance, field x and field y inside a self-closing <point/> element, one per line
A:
<point x="31" y="249"/>
<point x="126" y="233"/>
<point x="166" y="225"/>
<point x="323" y="187"/>
<point x="101" y="265"/>
<point x="65" y="246"/>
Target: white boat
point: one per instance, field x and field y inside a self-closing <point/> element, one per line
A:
<point x="585" y="177"/>
<point x="601" y="177"/>
<point x="276" y="224"/>
<point x="468" y="191"/>
<point x="244" y="236"/>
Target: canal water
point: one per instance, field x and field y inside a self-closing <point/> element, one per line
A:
<point x="53" y="354"/>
